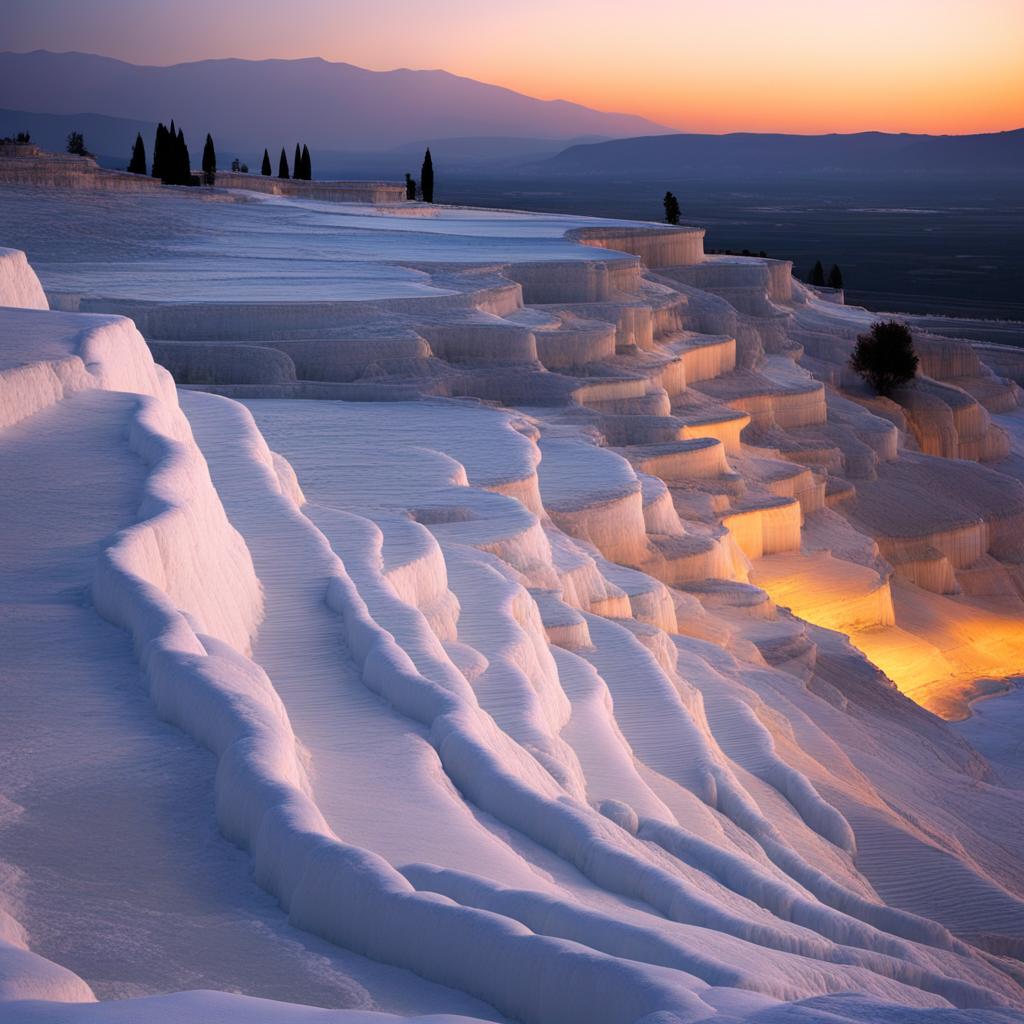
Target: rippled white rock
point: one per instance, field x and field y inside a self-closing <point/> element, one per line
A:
<point x="487" y="696"/>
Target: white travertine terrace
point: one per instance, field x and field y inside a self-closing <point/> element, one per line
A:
<point x="30" y="166"/>
<point x="503" y="588"/>
<point x="19" y="285"/>
<point x="378" y="192"/>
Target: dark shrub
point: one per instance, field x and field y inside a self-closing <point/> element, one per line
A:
<point x="885" y="357"/>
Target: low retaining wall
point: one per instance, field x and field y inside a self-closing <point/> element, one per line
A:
<point x="375" y="192"/>
<point x="657" y="246"/>
<point x="56" y="170"/>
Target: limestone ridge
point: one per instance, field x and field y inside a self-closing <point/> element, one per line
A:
<point x="724" y="382"/>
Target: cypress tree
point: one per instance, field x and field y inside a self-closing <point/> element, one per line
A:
<point x="209" y="161"/>
<point x="265" y="169"/>
<point x="297" y="162"/>
<point x="159" y="151"/>
<point x="76" y="144"/>
<point x="137" y="164"/>
<point x="817" y="274"/>
<point x="282" y="165"/>
<point x="427" y="178"/>
<point x="410" y="186"/>
<point x="171" y="167"/>
<point x="307" y="166"/>
<point x="671" y="208"/>
<point x="183" y="163"/>
<point x="835" y="277"/>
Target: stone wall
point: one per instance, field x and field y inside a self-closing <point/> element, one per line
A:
<point x="375" y="192"/>
<point x="27" y="165"/>
<point x="657" y="246"/>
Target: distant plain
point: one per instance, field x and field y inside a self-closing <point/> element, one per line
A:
<point x="913" y="245"/>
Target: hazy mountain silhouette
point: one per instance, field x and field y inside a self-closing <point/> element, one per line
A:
<point x="109" y="138"/>
<point x="272" y="102"/>
<point x="751" y="155"/>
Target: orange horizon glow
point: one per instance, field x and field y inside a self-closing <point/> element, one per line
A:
<point x="803" y="66"/>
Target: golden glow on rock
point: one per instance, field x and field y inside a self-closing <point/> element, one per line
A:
<point x="940" y="650"/>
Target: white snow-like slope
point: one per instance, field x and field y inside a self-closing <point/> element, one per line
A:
<point x="19" y="285"/>
<point x="438" y="708"/>
<point x="248" y="247"/>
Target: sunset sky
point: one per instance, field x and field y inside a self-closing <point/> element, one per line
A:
<point x="701" y="65"/>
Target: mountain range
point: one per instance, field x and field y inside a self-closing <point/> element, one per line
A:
<point x="249" y="104"/>
<point x="361" y="123"/>
<point x="745" y="155"/>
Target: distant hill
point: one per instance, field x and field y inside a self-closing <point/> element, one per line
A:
<point x="110" y="139"/>
<point x="271" y="103"/>
<point x="483" y="157"/>
<point x="472" y="153"/>
<point x="750" y="155"/>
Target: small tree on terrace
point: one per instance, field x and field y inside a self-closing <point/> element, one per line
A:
<point x="817" y="274"/>
<point x="427" y="178"/>
<point x="159" y="151"/>
<point x="137" y="164"/>
<point x="171" y="163"/>
<point x="282" y="165"/>
<point x="183" y="164"/>
<point x="410" y="186"/>
<point x="76" y="144"/>
<point x="885" y="357"/>
<point x="265" y="169"/>
<point x="671" y="208"/>
<point x="835" y="277"/>
<point x="209" y="161"/>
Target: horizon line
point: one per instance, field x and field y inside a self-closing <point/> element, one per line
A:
<point x="669" y="130"/>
